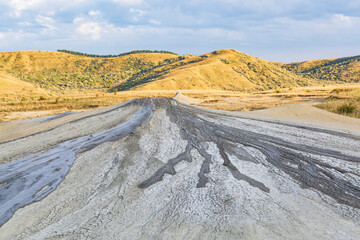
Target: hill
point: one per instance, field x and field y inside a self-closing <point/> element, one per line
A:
<point x="220" y="70"/>
<point x="56" y="70"/>
<point x="14" y="90"/>
<point x="10" y="85"/>
<point x="225" y="69"/>
<point x="337" y="70"/>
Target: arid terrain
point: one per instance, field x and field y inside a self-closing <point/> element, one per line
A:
<point x="38" y="83"/>
<point x="205" y="173"/>
<point x="159" y="146"/>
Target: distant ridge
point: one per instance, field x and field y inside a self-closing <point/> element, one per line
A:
<point x="58" y="70"/>
<point x="336" y="70"/>
<point x="226" y="70"/>
<point x="112" y="56"/>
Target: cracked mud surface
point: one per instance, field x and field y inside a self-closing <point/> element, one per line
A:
<point x="169" y="170"/>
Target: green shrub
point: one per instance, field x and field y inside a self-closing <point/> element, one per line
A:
<point x="347" y="108"/>
<point x="42" y="98"/>
<point x="225" y="60"/>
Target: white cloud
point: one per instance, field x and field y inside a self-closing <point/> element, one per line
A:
<point x="94" y="13"/>
<point x="25" y="24"/>
<point x="342" y="19"/>
<point x="20" y="5"/>
<point x="128" y="2"/>
<point x="47" y="22"/>
<point x="89" y="28"/>
<point x="16" y="36"/>
<point x="137" y="14"/>
<point x="138" y="32"/>
<point x="48" y="7"/>
<point x="153" y="21"/>
<point x="137" y="11"/>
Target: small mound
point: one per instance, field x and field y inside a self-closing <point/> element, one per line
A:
<point x="185" y="99"/>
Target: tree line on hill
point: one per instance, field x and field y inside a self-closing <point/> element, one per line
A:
<point x="112" y="56"/>
<point x="339" y="70"/>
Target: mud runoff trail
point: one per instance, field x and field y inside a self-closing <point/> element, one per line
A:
<point x="159" y="169"/>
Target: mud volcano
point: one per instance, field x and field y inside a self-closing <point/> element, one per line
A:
<point x="160" y="169"/>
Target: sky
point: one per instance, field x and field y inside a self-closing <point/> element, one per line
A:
<point x="276" y="30"/>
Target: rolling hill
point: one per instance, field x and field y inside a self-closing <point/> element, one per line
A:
<point x="55" y="70"/>
<point x="225" y="69"/>
<point x="337" y="70"/>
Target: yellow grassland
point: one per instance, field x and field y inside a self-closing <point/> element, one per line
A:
<point x="25" y="100"/>
<point x="227" y="70"/>
<point x="224" y="79"/>
<point x="37" y="61"/>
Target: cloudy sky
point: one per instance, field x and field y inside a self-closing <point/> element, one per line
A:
<point x="277" y="30"/>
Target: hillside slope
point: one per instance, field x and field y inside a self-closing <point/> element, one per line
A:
<point x="220" y="70"/>
<point x="14" y="90"/>
<point x="55" y="70"/>
<point x="225" y="69"/>
<point x="10" y="85"/>
<point x="337" y="70"/>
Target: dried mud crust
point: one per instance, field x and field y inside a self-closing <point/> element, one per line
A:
<point x="293" y="159"/>
<point x="170" y="170"/>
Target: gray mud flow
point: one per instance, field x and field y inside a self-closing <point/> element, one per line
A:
<point x="174" y="171"/>
<point x="31" y="178"/>
<point x="301" y="162"/>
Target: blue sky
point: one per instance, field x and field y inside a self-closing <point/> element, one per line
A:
<point x="277" y="30"/>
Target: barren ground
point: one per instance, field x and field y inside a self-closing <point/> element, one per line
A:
<point x="160" y="169"/>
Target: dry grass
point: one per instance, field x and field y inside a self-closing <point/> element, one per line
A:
<point x="226" y="70"/>
<point x="223" y="100"/>
<point x="69" y="101"/>
<point x="345" y="101"/>
<point x="339" y="70"/>
<point x="22" y="100"/>
<point x="38" y="61"/>
<point x="11" y="86"/>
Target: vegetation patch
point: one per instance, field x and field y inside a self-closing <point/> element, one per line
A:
<point x="112" y="56"/>
<point x="347" y="108"/>
<point x="340" y="70"/>
<point x="343" y="101"/>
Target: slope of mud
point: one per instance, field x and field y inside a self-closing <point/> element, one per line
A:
<point x="157" y="168"/>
